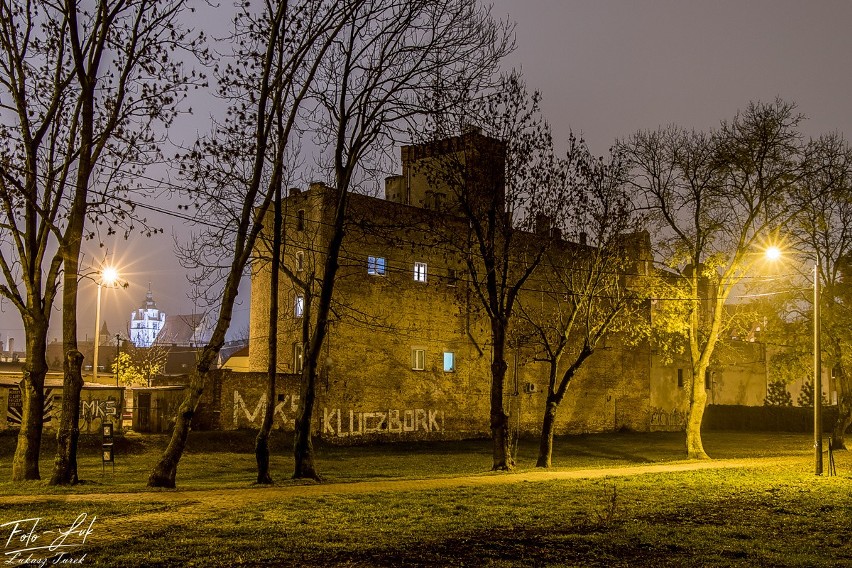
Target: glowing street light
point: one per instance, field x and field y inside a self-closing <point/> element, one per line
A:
<point x="109" y="277"/>
<point x="774" y="253"/>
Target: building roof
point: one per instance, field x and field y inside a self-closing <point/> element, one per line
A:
<point x="181" y="330"/>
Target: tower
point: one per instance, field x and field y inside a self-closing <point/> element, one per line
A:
<point x="146" y="321"/>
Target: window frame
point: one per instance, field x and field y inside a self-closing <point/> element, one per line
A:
<point x="299" y="306"/>
<point x="421" y="271"/>
<point x="452" y="355"/>
<point x="376" y="265"/>
<point x="298" y="357"/>
<point x="418" y="364"/>
<point x="300" y="261"/>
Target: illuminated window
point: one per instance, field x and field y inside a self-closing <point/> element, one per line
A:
<point x="299" y="306"/>
<point x="420" y="271"/>
<point x="376" y="265"/>
<point x="300" y="261"/>
<point x="418" y="359"/>
<point x="449" y="362"/>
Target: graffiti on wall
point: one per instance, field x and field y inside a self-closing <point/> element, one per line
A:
<point x="339" y="424"/>
<point x="15" y="407"/>
<point x="98" y="409"/>
<point x="287" y="404"/>
<point x="669" y="418"/>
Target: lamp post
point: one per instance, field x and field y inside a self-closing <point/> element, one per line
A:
<point x="774" y="253"/>
<point x="109" y="276"/>
<point x="817" y="377"/>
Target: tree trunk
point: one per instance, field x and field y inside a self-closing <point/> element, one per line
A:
<point x="545" y="448"/>
<point x="695" y="415"/>
<point x="303" y="447"/>
<point x="25" y="461"/>
<point x="502" y="450"/>
<point x="65" y="465"/>
<point x="261" y="446"/>
<point x="165" y="471"/>
<point x="844" y="414"/>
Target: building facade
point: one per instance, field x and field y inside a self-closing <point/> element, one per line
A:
<point x="146" y="322"/>
<point x="408" y="349"/>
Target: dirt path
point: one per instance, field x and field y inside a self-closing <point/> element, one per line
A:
<point x="184" y="507"/>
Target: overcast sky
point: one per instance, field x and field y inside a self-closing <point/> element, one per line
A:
<point x="605" y="69"/>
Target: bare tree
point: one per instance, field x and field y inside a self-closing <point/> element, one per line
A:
<point x="277" y="50"/>
<point x="590" y="285"/>
<point x="368" y="94"/>
<point x="822" y="231"/>
<point x="716" y="199"/>
<point x="501" y="175"/>
<point x="83" y="88"/>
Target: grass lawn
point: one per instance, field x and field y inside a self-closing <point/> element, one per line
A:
<point x="776" y="513"/>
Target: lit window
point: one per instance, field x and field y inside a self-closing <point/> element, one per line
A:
<point x="420" y="271"/>
<point x="299" y="306"/>
<point x="449" y="362"/>
<point x="300" y="220"/>
<point x="375" y="265"/>
<point x="418" y="359"/>
<point x="300" y="261"/>
<point x="297" y="357"/>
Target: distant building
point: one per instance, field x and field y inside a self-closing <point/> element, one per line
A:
<point x="187" y="330"/>
<point x="146" y="322"/>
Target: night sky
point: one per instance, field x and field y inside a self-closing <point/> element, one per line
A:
<point x="605" y="69"/>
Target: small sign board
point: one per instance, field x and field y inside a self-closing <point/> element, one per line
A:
<point x="107" y="448"/>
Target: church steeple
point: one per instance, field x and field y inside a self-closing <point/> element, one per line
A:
<point x="146" y="321"/>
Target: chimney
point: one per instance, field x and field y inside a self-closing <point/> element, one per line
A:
<point x="11" y="345"/>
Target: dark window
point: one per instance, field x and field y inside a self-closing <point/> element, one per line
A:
<point x="707" y="379"/>
<point x="300" y="220"/>
<point x="680" y="378"/>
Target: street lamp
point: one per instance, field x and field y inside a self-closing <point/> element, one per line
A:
<point x="774" y="253"/>
<point x="109" y="277"/>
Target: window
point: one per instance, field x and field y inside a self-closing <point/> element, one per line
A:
<point x="680" y="378"/>
<point x="297" y="357"/>
<point x="420" y="271"/>
<point x="451" y="277"/>
<point x="449" y="362"/>
<point x="418" y="359"/>
<point x="708" y="379"/>
<point x="376" y="265"/>
<point x="300" y="261"/>
<point x="300" y="220"/>
<point x="299" y="306"/>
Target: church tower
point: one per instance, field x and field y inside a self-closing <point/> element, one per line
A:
<point x="146" y="321"/>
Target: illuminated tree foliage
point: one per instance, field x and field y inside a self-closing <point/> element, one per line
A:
<point x="714" y="199"/>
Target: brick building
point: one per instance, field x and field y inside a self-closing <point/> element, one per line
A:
<point x="407" y="352"/>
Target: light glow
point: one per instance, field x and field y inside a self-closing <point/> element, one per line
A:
<point x="773" y="253"/>
<point x="109" y="276"/>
